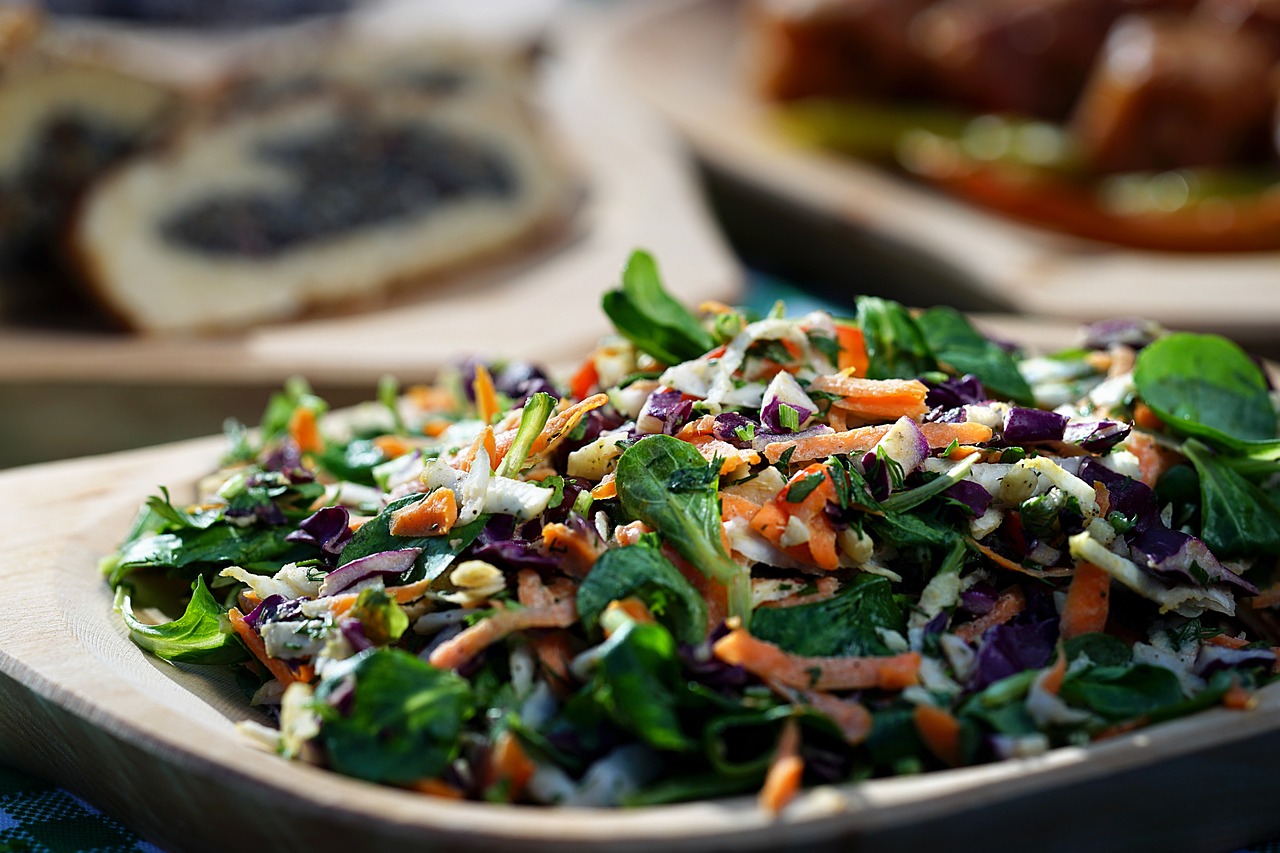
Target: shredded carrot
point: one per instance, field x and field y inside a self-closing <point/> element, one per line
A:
<point x="850" y="716"/>
<point x="1238" y="698"/>
<point x="248" y="600"/>
<point x="940" y="733"/>
<point x="782" y="782"/>
<point x="731" y="458"/>
<point x="508" y="764"/>
<point x="1269" y="597"/>
<point x="1088" y="602"/>
<point x="605" y="489"/>
<point x="436" y="427"/>
<point x="392" y="446"/>
<point x="713" y="592"/>
<point x="586" y="378"/>
<point x="1052" y="680"/>
<point x="633" y="608"/>
<point x="304" y="430"/>
<point x="555" y="650"/>
<point x="704" y="425"/>
<point x="435" y="515"/>
<point x="487" y="407"/>
<point x="772" y="520"/>
<point x="485" y="439"/>
<point x="1005" y="563"/>
<point x="456" y="651"/>
<point x="629" y="534"/>
<point x="875" y="399"/>
<point x="556" y="428"/>
<point x="853" y="350"/>
<point x="824" y="588"/>
<point x="428" y="398"/>
<point x="736" y="506"/>
<point x="575" y="551"/>
<point x="1153" y="460"/>
<point x="766" y="660"/>
<point x="1009" y="604"/>
<point x="437" y="788"/>
<point x="253" y="641"/>
<point x="862" y="439"/>
<point x="1227" y="642"/>
<point x="1145" y="418"/>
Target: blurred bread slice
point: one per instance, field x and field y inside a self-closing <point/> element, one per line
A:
<point x="63" y="119"/>
<point x="323" y="197"/>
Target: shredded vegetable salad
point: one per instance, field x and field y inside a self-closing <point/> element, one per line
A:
<point x="734" y="554"/>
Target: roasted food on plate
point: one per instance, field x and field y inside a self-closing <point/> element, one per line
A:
<point x="1148" y="123"/>
<point x="734" y="554"/>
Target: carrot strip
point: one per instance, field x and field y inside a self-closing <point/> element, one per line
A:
<point x="774" y="518"/>
<point x="508" y="763"/>
<point x="701" y="426"/>
<point x="480" y="636"/>
<point x="875" y="399"/>
<point x="584" y="379"/>
<point x="1237" y="698"/>
<point x="736" y="506"/>
<point x="767" y="661"/>
<point x="853" y="351"/>
<point x="253" y="641"/>
<point x="1227" y="642"/>
<point x="1052" y="680"/>
<point x="782" y="782"/>
<point x="392" y="446"/>
<point x="576" y="552"/>
<point x="1269" y="597"/>
<point x="1005" y="563"/>
<point x="940" y="733"/>
<point x="304" y="430"/>
<point x="437" y="788"/>
<point x="862" y="439"/>
<point x="433" y="516"/>
<point x="486" y="395"/>
<point x="555" y="429"/>
<point x="1153" y="460"/>
<point x="633" y="608"/>
<point x="1145" y="418"/>
<point x="1009" y="604"/>
<point x="824" y="588"/>
<point x="1088" y="602"/>
<point x="605" y="489"/>
<point x="554" y="650"/>
<point x="850" y="716"/>
<point x="731" y="458"/>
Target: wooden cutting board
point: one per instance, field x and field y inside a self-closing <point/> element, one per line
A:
<point x="155" y="745"/>
<point x="689" y="60"/>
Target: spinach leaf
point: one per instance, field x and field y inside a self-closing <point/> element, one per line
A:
<point x="223" y="545"/>
<point x="280" y="408"/>
<point x="438" y="552"/>
<point x="642" y="571"/>
<point x="962" y="347"/>
<point x="1102" y="649"/>
<point x="201" y="635"/>
<point x="1237" y="518"/>
<point x="353" y="461"/>
<point x="1001" y="705"/>
<point x="703" y="786"/>
<point x="742" y="744"/>
<point x="403" y="719"/>
<point x="896" y="346"/>
<point x="688" y="519"/>
<point x="907" y="530"/>
<point x="1122" y="692"/>
<point x="175" y="518"/>
<point x="644" y="313"/>
<point x="637" y="682"/>
<point x="846" y="624"/>
<point x="1206" y="386"/>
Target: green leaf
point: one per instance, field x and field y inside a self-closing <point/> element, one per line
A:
<point x="201" y="635"/>
<point x="438" y="552"/>
<point x="958" y="344"/>
<point x="1206" y="386"/>
<point x="636" y="681"/>
<point x="641" y="570"/>
<point x="1237" y="518"/>
<point x="688" y="519"/>
<point x="381" y="618"/>
<point x="1122" y="692"/>
<point x="218" y="547"/>
<point x="404" y="719"/>
<point x="280" y="408"/>
<point x="844" y="625"/>
<point x="896" y="346"/>
<point x="644" y="313"/>
<point x="353" y="462"/>
<point x="801" y="489"/>
<point x="1102" y="649"/>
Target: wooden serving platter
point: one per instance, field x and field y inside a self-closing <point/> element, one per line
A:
<point x="155" y="745"/>
<point x="689" y="60"/>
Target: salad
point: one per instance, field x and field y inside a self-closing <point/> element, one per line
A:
<point x="733" y="554"/>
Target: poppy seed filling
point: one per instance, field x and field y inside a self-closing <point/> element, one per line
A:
<point x="344" y="179"/>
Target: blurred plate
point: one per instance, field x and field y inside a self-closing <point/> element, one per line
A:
<point x="155" y="745"/>
<point x="687" y="59"/>
<point x="637" y="192"/>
